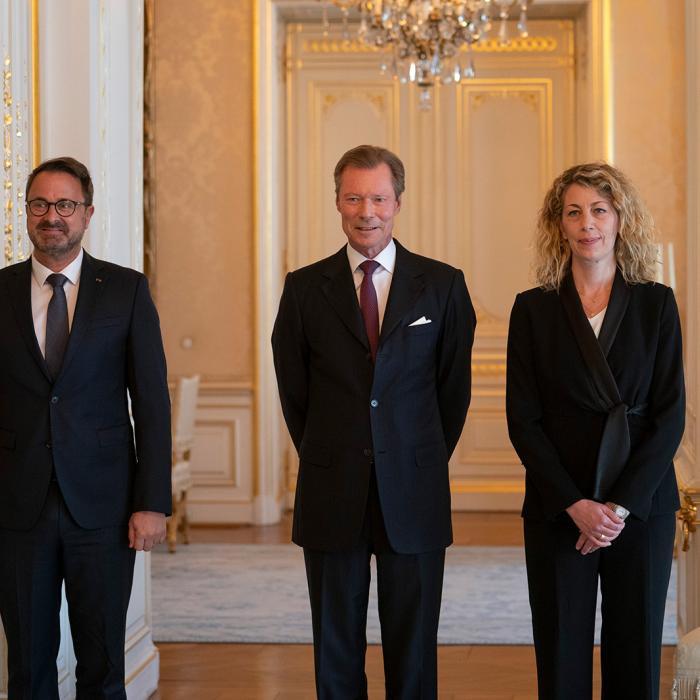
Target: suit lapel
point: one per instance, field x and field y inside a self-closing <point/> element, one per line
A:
<point x="617" y="308"/>
<point x="90" y="286"/>
<point x="339" y="289"/>
<point x="606" y="391"/>
<point x="20" y="291"/>
<point x="406" y="286"/>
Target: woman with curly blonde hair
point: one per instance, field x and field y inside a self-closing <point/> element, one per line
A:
<point x="595" y="404"/>
<point x="635" y="249"/>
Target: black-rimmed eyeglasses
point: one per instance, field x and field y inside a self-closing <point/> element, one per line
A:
<point x="63" y="207"/>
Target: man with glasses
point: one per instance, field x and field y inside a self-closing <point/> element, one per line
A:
<point x="80" y="489"/>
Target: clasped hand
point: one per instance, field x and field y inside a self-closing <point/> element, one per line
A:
<point x="597" y="523"/>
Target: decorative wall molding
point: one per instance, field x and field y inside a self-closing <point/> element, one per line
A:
<point x="222" y="455"/>
<point x="485" y="472"/>
<point x="596" y="135"/>
<point x="116" y="136"/>
<point x="17" y="42"/>
<point x="517" y="44"/>
<point x="535" y="44"/>
<point x="142" y="661"/>
<point x="269" y="221"/>
<point x="149" y="155"/>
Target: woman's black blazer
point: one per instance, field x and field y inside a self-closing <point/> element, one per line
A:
<point x="557" y="437"/>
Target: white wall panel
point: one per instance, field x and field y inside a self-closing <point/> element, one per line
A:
<point x="506" y="140"/>
<point x="222" y="455"/>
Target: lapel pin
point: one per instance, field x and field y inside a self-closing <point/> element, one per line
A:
<point x="98" y="279"/>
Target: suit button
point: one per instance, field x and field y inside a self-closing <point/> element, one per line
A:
<point x="48" y="445"/>
<point x="374" y="403"/>
<point x="54" y="399"/>
<point x="367" y="452"/>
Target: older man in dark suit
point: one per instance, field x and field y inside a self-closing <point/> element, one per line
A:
<point x="372" y="350"/>
<point x="79" y="490"/>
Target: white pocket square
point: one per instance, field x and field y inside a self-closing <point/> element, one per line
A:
<point x="420" y="322"/>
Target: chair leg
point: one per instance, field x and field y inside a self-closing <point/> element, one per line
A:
<point x="172" y="526"/>
<point x="184" y="519"/>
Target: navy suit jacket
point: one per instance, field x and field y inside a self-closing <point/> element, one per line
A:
<point x="405" y="413"/>
<point x="79" y="425"/>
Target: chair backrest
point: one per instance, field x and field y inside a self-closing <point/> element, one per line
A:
<point x="184" y="412"/>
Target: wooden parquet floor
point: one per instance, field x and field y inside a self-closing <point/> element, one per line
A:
<point x="285" y="671"/>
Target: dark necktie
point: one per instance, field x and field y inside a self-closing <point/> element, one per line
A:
<point x="369" y="306"/>
<point x="56" y="324"/>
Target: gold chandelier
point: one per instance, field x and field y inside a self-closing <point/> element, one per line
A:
<point x="426" y="38"/>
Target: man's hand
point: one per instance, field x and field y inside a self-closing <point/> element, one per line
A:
<point x="146" y="529"/>
<point x="597" y="523"/>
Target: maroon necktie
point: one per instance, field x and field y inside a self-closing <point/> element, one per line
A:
<point x="368" y="305"/>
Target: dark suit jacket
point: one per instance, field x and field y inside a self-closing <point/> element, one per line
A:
<point x="80" y="424"/>
<point x="557" y="439"/>
<point x="406" y="413"/>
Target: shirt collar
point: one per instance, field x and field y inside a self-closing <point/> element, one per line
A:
<point x="71" y="271"/>
<point x="387" y="258"/>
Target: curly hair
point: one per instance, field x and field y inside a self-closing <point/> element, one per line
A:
<point x="635" y="248"/>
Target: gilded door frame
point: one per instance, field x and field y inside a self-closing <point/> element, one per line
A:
<point x="595" y="141"/>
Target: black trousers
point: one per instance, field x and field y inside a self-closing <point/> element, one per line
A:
<point x="409" y="588"/>
<point x="634" y="574"/>
<point x="97" y="567"/>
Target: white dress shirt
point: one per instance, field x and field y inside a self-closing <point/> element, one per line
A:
<point x="42" y="292"/>
<point x="382" y="275"/>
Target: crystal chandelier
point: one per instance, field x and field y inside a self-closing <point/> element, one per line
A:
<point x="426" y="37"/>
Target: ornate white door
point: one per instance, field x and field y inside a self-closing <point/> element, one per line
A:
<point x="477" y="166"/>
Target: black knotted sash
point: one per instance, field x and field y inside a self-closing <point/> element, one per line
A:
<point x="614" y="450"/>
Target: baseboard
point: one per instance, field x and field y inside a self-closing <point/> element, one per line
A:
<point x="143" y="681"/>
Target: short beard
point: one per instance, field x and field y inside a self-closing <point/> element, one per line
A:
<point x="56" y="250"/>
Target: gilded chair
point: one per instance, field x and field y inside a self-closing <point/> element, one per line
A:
<point x="184" y="411"/>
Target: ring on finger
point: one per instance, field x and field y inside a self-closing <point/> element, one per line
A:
<point x="603" y="537"/>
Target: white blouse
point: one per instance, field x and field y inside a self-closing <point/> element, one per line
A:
<point x="597" y="321"/>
